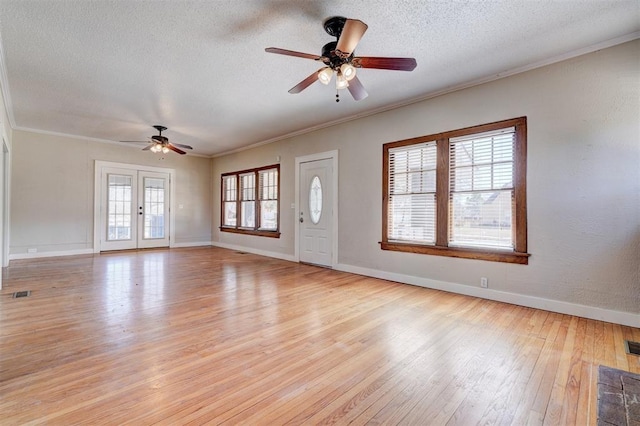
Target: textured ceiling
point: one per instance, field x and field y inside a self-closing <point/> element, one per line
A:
<point x="109" y="70"/>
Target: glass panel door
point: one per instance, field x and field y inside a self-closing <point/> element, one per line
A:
<point x="153" y="209"/>
<point x="118" y="221"/>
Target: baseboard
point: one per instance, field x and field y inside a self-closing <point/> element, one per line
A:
<point x="607" y="315"/>
<point x="17" y="256"/>
<point x="254" y="251"/>
<point x="199" y="244"/>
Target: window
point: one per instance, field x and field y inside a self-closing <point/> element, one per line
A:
<point x="250" y="202"/>
<point x="460" y="193"/>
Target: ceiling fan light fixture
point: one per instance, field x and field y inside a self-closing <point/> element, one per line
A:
<point x="348" y="71"/>
<point x="341" y="82"/>
<point x="324" y="75"/>
<point x="164" y="150"/>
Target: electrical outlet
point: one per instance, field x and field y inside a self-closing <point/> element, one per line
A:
<point x="484" y="282"/>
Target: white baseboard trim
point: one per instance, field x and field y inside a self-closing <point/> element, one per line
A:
<point x="199" y="244"/>
<point x="17" y="256"/>
<point x="255" y="251"/>
<point x="607" y="315"/>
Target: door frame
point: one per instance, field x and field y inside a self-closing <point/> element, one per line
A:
<point x="328" y="155"/>
<point x="97" y="196"/>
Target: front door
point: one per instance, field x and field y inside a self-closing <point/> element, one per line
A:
<point x="134" y="209"/>
<point x="316" y="212"/>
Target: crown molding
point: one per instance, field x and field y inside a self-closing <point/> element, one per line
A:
<point x="549" y="61"/>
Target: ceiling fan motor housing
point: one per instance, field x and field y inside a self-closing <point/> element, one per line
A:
<point x="332" y="59"/>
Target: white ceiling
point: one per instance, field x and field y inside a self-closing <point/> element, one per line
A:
<point x="110" y="69"/>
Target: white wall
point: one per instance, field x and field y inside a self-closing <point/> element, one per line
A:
<point x="53" y="184"/>
<point x="583" y="187"/>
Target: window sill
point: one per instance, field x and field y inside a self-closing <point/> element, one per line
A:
<point x="464" y="253"/>
<point x="270" y="234"/>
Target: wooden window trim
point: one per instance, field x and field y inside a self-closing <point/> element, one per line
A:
<point x="256" y="230"/>
<point x="519" y="254"/>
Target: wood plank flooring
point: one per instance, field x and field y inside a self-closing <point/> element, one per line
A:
<point x="212" y="336"/>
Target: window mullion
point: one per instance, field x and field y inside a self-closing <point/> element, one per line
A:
<point x="256" y="200"/>
<point x="442" y="193"/>
<point x="238" y="202"/>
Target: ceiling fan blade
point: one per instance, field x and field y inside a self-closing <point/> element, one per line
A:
<point x="148" y="147"/>
<point x="305" y="83"/>
<point x="357" y="89"/>
<point x="291" y="53"/>
<point x="351" y="34"/>
<point x="398" y="64"/>
<point x="173" y="148"/>
<point x="179" y="145"/>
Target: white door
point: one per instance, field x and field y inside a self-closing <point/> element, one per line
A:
<point x="134" y="209"/>
<point x="316" y="212"/>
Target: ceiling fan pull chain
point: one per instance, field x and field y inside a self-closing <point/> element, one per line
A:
<point x="337" y="96"/>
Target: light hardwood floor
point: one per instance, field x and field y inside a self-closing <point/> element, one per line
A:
<point x="212" y="336"/>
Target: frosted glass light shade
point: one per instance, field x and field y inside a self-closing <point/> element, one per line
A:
<point x="348" y="71"/>
<point x="324" y="75"/>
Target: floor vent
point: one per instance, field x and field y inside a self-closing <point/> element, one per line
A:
<point x="632" y="348"/>
<point x="25" y="293"/>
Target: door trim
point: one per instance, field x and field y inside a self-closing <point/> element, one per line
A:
<point x="332" y="155"/>
<point x="97" y="196"/>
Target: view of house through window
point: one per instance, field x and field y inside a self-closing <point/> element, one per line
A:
<point x="250" y="201"/>
<point x="460" y="193"/>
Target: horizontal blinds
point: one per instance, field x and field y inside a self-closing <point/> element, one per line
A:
<point x="229" y="188"/>
<point x="248" y="187"/>
<point x="412" y="192"/>
<point x="481" y="171"/>
<point x="268" y="184"/>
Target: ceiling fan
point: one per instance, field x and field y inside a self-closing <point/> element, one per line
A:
<point x="338" y="58"/>
<point x="159" y="143"/>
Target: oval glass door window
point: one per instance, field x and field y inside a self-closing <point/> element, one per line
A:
<point x="315" y="200"/>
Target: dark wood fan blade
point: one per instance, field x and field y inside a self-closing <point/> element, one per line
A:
<point x="291" y="53"/>
<point x="179" y="145"/>
<point x="304" y="83"/>
<point x="398" y="64"/>
<point x="351" y="34"/>
<point x="357" y="89"/>
<point x="148" y="147"/>
<point x="173" y="148"/>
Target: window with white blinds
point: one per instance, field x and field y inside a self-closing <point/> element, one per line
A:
<point x="268" y="199"/>
<point x="229" y="200"/>
<point x="412" y="193"/>
<point x="460" y="193"/>
<point x="250" y="201"/>
<point x="481" y="189"/>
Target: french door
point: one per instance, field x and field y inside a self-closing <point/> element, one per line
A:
<point x="134" y="209"/>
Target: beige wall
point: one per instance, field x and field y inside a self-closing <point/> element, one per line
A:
<point x="583" y="185"/>
<point x="53" y="185"/>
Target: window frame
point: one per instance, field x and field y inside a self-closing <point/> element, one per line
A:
<point x="256" y="229"/>
<point x="441" y="247"/>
